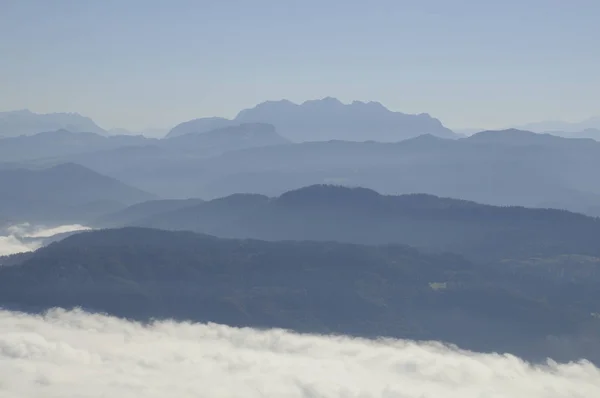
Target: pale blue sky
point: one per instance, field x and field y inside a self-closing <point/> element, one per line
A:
<point x="142" y="63"/>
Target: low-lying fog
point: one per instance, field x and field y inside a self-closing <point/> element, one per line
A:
<point x="76" y="354"/>
<point x="26" y="237"/>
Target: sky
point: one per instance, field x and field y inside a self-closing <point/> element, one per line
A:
<point x="148" y="63"/>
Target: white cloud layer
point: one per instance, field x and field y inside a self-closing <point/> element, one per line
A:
<point x="27" y="230"/>
<point x="11" y="244"/>
<point x="75" y="354"/>
<point x="25" y="237"/>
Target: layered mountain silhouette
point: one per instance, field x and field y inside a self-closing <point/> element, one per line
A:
<point x="593" y="133"/>
<point x="141" y="211"/>
<point x="317" y="287"/>
<point x="568" y="127"/>
<point x="327" y="119"/>
<point x="63" y="143"/>
<point x="502" y="168"/>
<point x="359" y="215"/>
<point x="510" y="167"/>
<point x="199" y="126"/>
<point x="148" y="132"/>
<point x="25" y="122"/>
<point x="224" y="139"/>
<point x="63" y="193"/>
<point x="517" y="137"/>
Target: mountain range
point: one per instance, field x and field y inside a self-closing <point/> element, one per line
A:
<point x="327" y="119"/>
<point x="593" y="133"/>
<point x="225" y="139"/>
<point x="509" y="167"/>
<point x="504" y="168"/>
<point x="52" y="144"/>
<point x="25" y="122"/>
<point x="314" y="120"/>
<point x="566" y="127"/>
<point x="322" y="258"/>
<point x="149" y="132"/>
<point x="140" y="211"/>
<point x="66" y="193"/>
<point x="62" y="143"/>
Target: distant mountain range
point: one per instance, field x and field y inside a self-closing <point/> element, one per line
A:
<point x="141" y="211"/>
<point x="224" y="139"/>
<point x="589" y="128"/>
<point x="63" y="143"/>
<point x="566" y="127"/>
<point x="66" y="193"/>
<point x="314" y="120"/>
<point x="150" y="132"/>
<point x="515" y="137"/>
<point x="25" y="122"/>
<point x="510" y="167"/>
<point x="327" y="119"/>
<point x="593" y="133"/>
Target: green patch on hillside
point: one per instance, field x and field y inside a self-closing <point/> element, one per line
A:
<point x="438" y="285"/>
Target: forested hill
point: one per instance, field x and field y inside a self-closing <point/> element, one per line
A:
<point x="357" y="215"/>
<point x="320" y="287"/>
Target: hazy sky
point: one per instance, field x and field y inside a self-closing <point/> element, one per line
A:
<point x="141" y="63"/>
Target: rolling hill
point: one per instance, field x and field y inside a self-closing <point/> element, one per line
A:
<point x="316" y="287"/>
<point x="483" y="233"/>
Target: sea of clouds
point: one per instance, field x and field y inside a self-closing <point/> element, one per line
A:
<point x="26" y="237"/>
<point x="77" y="354"/>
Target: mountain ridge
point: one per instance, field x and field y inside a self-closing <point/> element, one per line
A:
<point x="25" y="122"/>
<point x="559" y="125"/>
<point x="227" y="138"/>
<point x="363" y="216"/>
<point x="67" y="192"/>
<point x="327" y="119"/>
